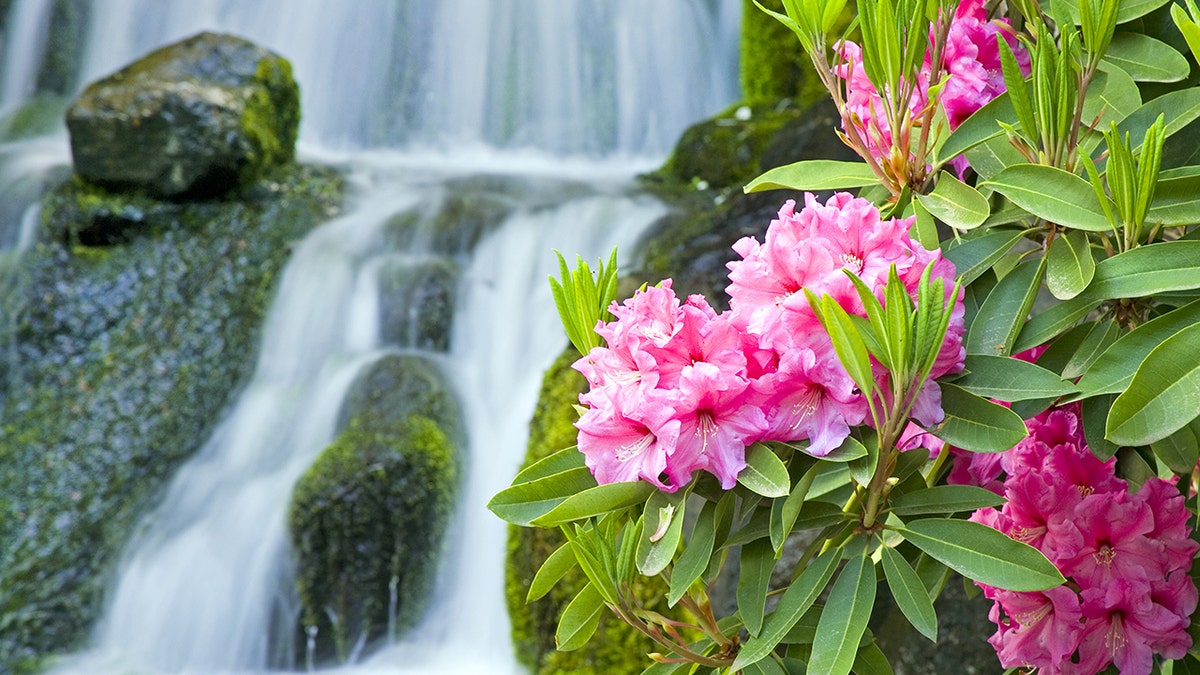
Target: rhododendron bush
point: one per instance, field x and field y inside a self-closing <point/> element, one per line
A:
<point x="977" y="353"/>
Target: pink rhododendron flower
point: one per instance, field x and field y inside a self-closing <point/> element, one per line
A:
<point x="1126" y="556"/>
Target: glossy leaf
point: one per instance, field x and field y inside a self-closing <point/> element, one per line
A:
<point x="980" y="553"/>
<point x="1111" y="97"/>
<point x="1103" y="334"/>
<point x="870" y="660"/>
<point x="1069" y="265"/>
<point x="1094" y="415"/>
<point x="1053" y="195"/>
<point x="523" y="503"/>
<point x="765" y="474"/>
<point x="557" y="564"/>
<point x="845" y="617"/>
<point x="557" y="462"/>
<point x="1003" y="313"/>
<point x="1146" y="59"/>
<point x="1188" y="28"/>
<point x="993" y="156"/>
<point x="1180" y="108"/>
<point x="1164" y="394"/>
<point x="1112" y="371"/>
<point x="695" y="557"/>
<point x="1176" y="201"/>
<point x="662" y="531"/>
<point x="975" y="256"/>
<point x="579" y="620"/>
<point x="814" y="174"/>
<point x="976" y="424"/>
<point x="944" y="499"/>
<point x="909" y="593"/>
<point x="981" y="126"/>
<point x="795" y="601"/>
<point x="596" y="501"/>
<point x="754" y="580"/>
<point x="1181" y="450"/>
<point x="785" y="511"/>
<point x="956" y="204"/>
<point x="1008" y="379"/>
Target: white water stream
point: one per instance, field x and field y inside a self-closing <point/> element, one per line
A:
<point x="406" y="97"/>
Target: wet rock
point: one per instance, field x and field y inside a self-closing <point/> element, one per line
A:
<point x="397" y="386"/>
<point x="120" y="361"/>
<point x="193" y="119"/>
<point x="416" y="303"/>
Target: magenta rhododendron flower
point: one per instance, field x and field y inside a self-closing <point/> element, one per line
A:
<point x="1126" y="556"/>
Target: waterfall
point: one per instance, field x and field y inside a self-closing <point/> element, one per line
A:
<point x="24" y="39"/>
<point x="573" y="96"/>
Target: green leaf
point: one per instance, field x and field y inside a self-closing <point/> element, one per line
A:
<point x="975" y="256"/>
<point x="994" y="156"/>
<point x="662" y="530"/>
<point x="845" y="617"/>
<point x="1112" y="371"/>
<point x="1146" y="59"/>
<point x="870" y="660"/>
<point x="980" y="127"/>
<point x="1190" y="31"/>
<point x="795" y="601"/>
<point x="1103" y="334"/>
<point x="557" y="564"/>
<point x="1176" y="202"/>
<point x="1069" y="265"/>
<point x="785" y="511"/>
<point x="595" y="501"/>
<point x="847" y="342"/>
<point x="924" y="228"/>
<point x="944" y="499"/>
<point x="1179" y="107"/>
<point x="558" y="462"/>
<point x="910" y="594"/>
<point x="815" y="174"/>
<point x="695" y="557"/>
<point x="1164" y="394"/>
<point x="1007" y="379"/>
<point x="579" y="620"/>
<point x="980" y="553"/>
<point x="765" y="474"/>
<point x="1003" y="313"/>
<point x="1181" y="450"/>
<point x="956" y="204"/>
<point x="976" y="424"/>
<point x="1111" y="97"/>
<point x="523" y="503"/>
<point x="754" y="580"/>
<point x="1094" y="413"/>
<point x="1052" y="194"/>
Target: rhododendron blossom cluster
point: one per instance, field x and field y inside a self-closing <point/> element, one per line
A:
<point x="974" y="76"/>
<point x="681" y="388"/>
<point x="1126" y="556"/>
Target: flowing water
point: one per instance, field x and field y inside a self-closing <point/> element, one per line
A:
<point x="566" y="100"/>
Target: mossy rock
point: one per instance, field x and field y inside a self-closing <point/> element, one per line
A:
<point x="367" y="521"/>
<point x="397" y="386"/>
<point x="772" y="63"/>
<point x="193" y="119"/>
<point x="616" y="648"/>
<point x="121" y="360"/>
<point x="416" y="302"/>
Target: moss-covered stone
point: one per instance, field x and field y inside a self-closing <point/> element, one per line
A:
<point x="416" y="302"/>
<point x="193" y="119"/>
<point x="367" y="521"/>
<point x="616" y="648"/>
<point x="121" y="359"/>
<point x="397" y="386"/>
<point x="773" y="64"/>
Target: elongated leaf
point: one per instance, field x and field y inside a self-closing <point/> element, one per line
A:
<point x="1007" y="379"/>
<point x="558" y="462"/>
<point x="956" y="204"/>
<point x="765" y="473"/>
<point x="1146" y="270"/>
<point x="794" y="602"/>
<point x="1111" y="97"/>
<point x="523" y="503"/>
<point x="1180" y="107"/>
<point x="975" y="256"/>
<point x="557" y="564"/>
<point x="1176" y="201"/>
<point x="1103" y="334"/>
<point x="785" y="511"/>
<point x="976" y="424"/>
<point x="1003" y="313"/>
<point x="910" y="594"/>
<point x="994" y="156"/>
<point x="695" y="557"/>
<point x="944" y="499"/>
<point x="980" y="553"/>
<point x="1069" y="265"/>
<point x="1189" y="30"/>
<point x="845" y="617"/>
<point x="1094" y="413"/>
<point x="662" y="531"/>
<point x="579" y="619"/>
<point x="981" y="126"/>
<point x="1112" y="371"/>
<point x="596" y="501"/>
<point x="1052" y="194"/>
<point x="1164" y="394"/>
<point x="870" y="660"/>
<point x="1128" y="10"/>
<point x="814" y="174"/>
<point x="754" y="580"/>
<point x="1180" y="450"/>
<point x="1146" y="59"/>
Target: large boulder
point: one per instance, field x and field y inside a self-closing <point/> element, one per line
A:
<point x="121" y="360"/>
<point x="193" y="119"/>
<point x="368" y="517"/>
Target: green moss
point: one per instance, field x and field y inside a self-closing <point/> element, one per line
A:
<point x="367" y="520"/>
<point x="271" y="118"/>
<point x="120" y="361"/>
<point x="616" y="648"/>
<point x="773" y="64"/>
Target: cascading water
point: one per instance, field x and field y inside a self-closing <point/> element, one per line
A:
<point x="409" y="98"/>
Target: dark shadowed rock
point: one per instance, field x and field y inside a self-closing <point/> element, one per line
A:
<point x="193" y="119"/>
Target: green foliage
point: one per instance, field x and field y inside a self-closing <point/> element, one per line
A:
<point x="583" y="299"/>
